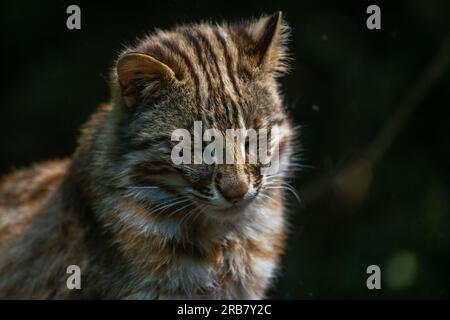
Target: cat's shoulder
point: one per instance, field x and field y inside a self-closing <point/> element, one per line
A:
<point x="23" y="193"/>
<point x="31" y="184"/>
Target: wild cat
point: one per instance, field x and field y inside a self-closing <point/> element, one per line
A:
<point x="137" y="225"/>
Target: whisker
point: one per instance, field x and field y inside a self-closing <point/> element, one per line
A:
<point x="146" y="187"/>
<point x="163" y="207"/>
<point x="194" y="212"/>
<point x="182" y="208"/>
<point x="287" y="187"/>
<point x="269" y="197"/>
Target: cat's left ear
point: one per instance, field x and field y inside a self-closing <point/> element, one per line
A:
<point x="269" y="35"/>
<point x="138" y="72"/>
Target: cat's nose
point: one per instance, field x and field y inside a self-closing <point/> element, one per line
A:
<point x="234" y="192"/>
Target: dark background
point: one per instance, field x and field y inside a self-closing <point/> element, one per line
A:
<point x="373" y="105"/>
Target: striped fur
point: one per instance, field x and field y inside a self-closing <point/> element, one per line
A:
<point x="139" y="226"/>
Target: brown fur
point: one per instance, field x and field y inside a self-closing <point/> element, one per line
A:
<point x="94" y="211"/>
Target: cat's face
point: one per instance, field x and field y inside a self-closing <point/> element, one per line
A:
<point x="220" y="78"/>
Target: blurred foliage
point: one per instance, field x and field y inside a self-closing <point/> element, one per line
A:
<point x="346" y="83"/>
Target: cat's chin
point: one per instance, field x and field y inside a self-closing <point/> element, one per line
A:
<point x="225" y="213"/>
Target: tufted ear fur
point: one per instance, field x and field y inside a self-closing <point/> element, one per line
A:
<point x="269" y="40"/>
<point x="138" y="71"/>
<point x="264" y="42"/>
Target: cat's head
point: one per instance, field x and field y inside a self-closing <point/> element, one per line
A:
<point x="217" y="77"/>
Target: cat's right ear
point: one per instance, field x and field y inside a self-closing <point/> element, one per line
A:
<point x="139" y="74"/>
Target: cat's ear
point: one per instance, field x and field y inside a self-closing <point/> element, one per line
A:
<point x="268" y="49"/>
<point x="137" y="72"/>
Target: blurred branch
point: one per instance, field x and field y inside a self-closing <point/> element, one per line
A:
<point x="353" y="179"/>
<point x="416" y="95"/>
